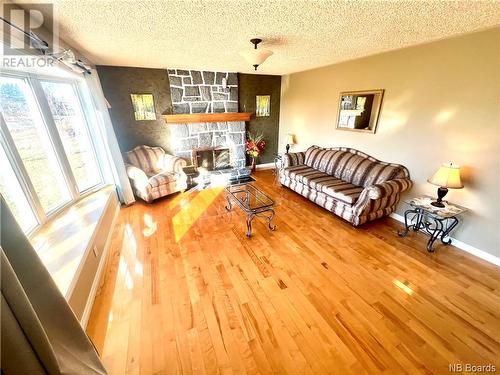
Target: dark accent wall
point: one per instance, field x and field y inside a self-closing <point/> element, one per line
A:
<point x="251" y="85"/>
<point x="117" y="84"/>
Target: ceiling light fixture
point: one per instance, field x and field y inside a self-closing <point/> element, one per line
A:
<point x="256" y="56"/>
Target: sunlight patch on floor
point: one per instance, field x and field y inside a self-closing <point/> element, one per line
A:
<point x="150" y="226"/>
<point x="180" y="200"/>
<point x="405" y="288"/>
<point x="128" y="259"/>
<point x="130" y="239"/>
<point x="138" y="269"/>
<point x="189" y="213"/>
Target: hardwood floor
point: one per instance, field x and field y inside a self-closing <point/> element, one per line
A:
<point x="186" y="292"/>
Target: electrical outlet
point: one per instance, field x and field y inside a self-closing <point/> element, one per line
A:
<point x="96" y="252"/>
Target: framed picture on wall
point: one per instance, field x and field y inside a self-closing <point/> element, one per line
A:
<point x="359" y="110"/>
<point x="144" y="107"/>
<point x="263" y="106"/>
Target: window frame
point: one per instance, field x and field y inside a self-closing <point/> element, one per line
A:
<point x="34" y="83"/>
<point x="77" y="87"/>
<point x="17" y="166"/>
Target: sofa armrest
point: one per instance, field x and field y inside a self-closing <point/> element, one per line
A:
<point x="137" y="175"/>
<point x="293" y="158"/>
<point x="373" y="196"/>
<point x="171" y="163"/>
<point x="387" y="188"/>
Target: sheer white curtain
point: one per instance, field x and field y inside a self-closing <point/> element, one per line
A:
<point x="112" y="150"/>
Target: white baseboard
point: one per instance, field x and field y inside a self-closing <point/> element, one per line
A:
<point x="265" y="166"/>
<point x="462" y="246"/>
<point x="100" y="268"/>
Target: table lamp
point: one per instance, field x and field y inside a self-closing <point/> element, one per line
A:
<point x="447" y="177"/>
<point x="289" y="141"/>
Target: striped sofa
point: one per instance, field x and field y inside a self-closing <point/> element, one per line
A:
<point x="347" y="182"/>
<point x="154" y="173"/>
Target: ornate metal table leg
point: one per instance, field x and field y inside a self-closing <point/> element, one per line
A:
<point x="269" y="220"/>
<point x="417" y="225"/>
<point x="448" y="230"/>
<point x="249" y="224"/>
<point x="229" y="205"/>
<point x="436" y="233"/>
<point x="407" y="226"/>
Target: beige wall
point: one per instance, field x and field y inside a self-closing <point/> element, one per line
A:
<point x="441" y="103"/>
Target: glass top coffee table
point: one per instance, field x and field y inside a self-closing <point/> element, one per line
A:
<point x="253" y="202"/>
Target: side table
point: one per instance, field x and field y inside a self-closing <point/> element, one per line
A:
<point x="435" y="221"/>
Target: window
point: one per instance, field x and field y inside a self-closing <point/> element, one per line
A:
<point x="66" y="111"/>
<point x="47" y="149"/>
<point x="10" y="190"/>
<point x="32" y="142"/>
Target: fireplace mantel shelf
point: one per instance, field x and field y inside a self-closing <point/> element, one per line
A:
<point x="207" y="117"/>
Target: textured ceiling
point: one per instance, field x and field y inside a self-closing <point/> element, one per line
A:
<point x="302" y="34"/>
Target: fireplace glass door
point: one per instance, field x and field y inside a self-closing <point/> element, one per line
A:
<point x="213" y="159"/>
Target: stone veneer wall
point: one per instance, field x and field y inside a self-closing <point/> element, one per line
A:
<point x="192" y="136"/>
<point x="194" y="91"/>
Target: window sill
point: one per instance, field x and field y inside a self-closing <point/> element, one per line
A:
<point x="52" y="215"/>
<point x="64" y="242"/>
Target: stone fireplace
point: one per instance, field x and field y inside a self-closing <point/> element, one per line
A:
<point x="217" y="147"/>
<point x="188" y="140"/>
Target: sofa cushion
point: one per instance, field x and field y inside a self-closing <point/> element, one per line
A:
<point x="334" y="161"/>
<point x="354" y="169"/>
<point x="323" y="182"/>
<point x="162" y="178"/>
<point x="314" y="180"/>
<point x="317" y="157"/>
<point x="382" y="172"/>
<point x="310" y="154"/>
<point x="341" y="190"/>
<point x="321" y="159"/>
<point x="295" y="172"/>
<point x="307" y="175"/>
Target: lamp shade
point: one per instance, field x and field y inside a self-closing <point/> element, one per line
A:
<point x="290" y="139"/>
<point x="447" y="176"/>
<point x="256" y="56"/>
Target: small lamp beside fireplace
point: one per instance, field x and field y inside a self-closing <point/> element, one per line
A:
<point x="447" y="177"/>
<point x="290" y="140"/>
